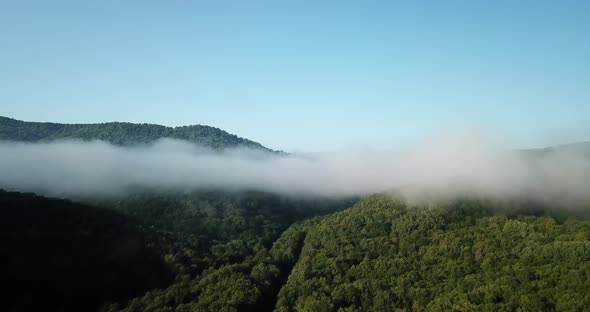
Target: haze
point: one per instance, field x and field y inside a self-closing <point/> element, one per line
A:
<point x="457" y="163"/>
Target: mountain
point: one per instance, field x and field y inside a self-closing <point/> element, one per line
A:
<point x="121" y="133"/>
<point x="256" y="251"/>
<point x="464" y="255"/>
<point x="58" y="255"/>
<point x="578" y="148"/>
<point x="385" y="254"/>
<point x="253" y="251"/>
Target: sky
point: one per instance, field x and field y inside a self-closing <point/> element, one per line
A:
<point x="304" y="75"/>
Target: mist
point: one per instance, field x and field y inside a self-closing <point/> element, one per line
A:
<point x="447" y="166"/>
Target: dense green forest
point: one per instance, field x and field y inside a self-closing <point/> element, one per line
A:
<point x="386" y="255"/>
<point x="463" y="255"/>
<point x="256" y="251"/>
<point x="120" y="133"/>
<point x="217" y="227"/>
<point x="63" y="256"/>
<point x="252" y="251"/>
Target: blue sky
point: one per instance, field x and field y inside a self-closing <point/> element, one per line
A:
<point x="304" y="75"/>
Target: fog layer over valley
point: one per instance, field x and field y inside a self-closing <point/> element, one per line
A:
<point x="446" y="166"/>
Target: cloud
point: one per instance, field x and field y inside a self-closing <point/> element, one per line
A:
<point x="447" y="165"/>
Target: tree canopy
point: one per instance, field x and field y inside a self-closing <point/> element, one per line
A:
<point x="385" y="255"/>
<point x="121" y="133"/>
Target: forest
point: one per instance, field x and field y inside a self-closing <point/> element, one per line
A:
<point x="63" y="256"/>
<point x="464" y="255"/>
<point x="121" y="133"/>
<point x="294" y="156"/>
<point x="220" y="250"/>
<point x="251" y="251"/>
<point x="104" y="252"/>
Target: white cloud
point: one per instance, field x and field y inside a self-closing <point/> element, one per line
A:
<point x="476" y="163"/>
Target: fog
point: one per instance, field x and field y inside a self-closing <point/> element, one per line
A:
<point x="447" y="165"/>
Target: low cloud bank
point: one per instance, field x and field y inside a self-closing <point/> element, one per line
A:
<point x="459" y="163"/>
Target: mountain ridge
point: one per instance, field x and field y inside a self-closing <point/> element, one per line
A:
<point x="122" y="133"/>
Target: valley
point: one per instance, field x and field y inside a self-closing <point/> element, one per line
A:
<point x="153" y="249"/>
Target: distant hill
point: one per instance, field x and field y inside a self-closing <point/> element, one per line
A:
<point x="120" y="133"/>
<point x="579" y="148"/>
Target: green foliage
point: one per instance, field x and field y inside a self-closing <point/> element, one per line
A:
<point x="198" y="230"/>
<point x="382" y="255"/>
<point x="204" y="251"/>
<point x="221" y="245"/>
<point x="255" y="251"/>
<point x="120" y="133"/>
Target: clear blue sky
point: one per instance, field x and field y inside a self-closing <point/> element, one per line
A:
<point x="303" y="75"/>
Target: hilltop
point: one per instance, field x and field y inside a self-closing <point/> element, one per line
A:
<point x="121" y="133"/>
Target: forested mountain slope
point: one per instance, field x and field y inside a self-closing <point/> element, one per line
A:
<point x="260" y="252"/>
<point x="464" y="255"/>
<point x="193" y="249"/>
<point x="120" y="133"/>
<point x="201" y="229"/>
<point x="386" y="255"/>
<point x="255" y="251"/>
<point x="223" y="246"/>
<point x="61" y="256"/>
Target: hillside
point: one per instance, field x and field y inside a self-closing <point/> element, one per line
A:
<point x="57" y="255"/>
<point x="120" y="133"/>
<point x="579" y="148"/>
<point x="197" y="250"/>
<point x="465" y="255"/>
<point x="63" y="256"/>
<point x="260" y="252"/>
<point x="385" y="255"/>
